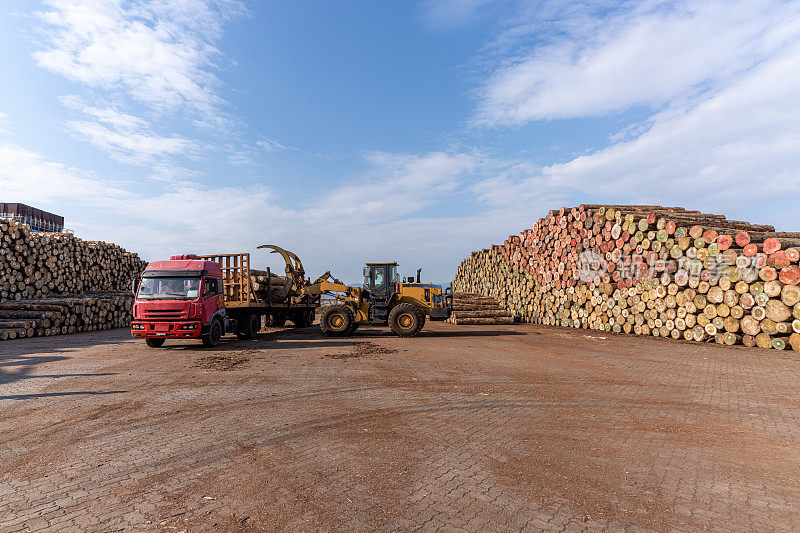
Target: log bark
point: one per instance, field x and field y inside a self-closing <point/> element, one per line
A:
<point x="484" y="314"/>
<point x="59" y="284"/>
<point x="653" y="270"/>
<point x="484" y="321"/>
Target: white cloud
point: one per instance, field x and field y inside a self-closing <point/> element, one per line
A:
<point x="737" y="148"/>
<point x="449" y="14"/>
<point x="4" y="122"/>
<point x="648" y="53"/>
<point x="110" y="116"/>
<point x="270" y="145"/>
<point x="171" y="174"/>
<point x="181" y="212"/>
<point x="125" y="137"/>
<point x="155" y="57"/>
<point x="724" y="89"/>
<point x="735" y="152"/>
<point x="160" y="52"/>
<point x="723" y="79"/>
<point x="399" y="185"/>
<point x="29" y="177"/>
<point x="129" y="146"/>
<point x="381" y="215"/>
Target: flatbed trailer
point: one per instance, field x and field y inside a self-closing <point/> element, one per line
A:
<point x="238" y="288"/>
<point x="241" y="299"/>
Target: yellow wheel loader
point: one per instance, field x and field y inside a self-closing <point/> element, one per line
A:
<point x="383" y="299"/>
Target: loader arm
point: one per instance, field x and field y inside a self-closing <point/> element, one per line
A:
<point x="321" y="287"/>
<point x="294" y="271"/>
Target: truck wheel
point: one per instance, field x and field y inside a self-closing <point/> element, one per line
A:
<point x="303" y="319"/>
<point x="336" y="320"/>
<point x="405" y="320"/>
<point x="276" y="320"/>
<point x="249" y="326"/>
<point x="255" y="325"/>
<point x="155" y="343"/>
<point x="211" y="339"/>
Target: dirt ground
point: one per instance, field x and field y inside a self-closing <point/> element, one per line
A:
<point x="465" y="427"/>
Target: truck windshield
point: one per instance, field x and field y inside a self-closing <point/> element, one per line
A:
<point x="169" y="289"/>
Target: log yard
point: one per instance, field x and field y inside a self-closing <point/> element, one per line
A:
<point x="422" y="266"/>
<point x="553" y="364"/>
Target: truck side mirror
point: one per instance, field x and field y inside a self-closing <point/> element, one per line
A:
<point x="134" y="286"/>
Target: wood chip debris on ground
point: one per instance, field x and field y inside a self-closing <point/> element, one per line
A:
<point x="361" y="349"/>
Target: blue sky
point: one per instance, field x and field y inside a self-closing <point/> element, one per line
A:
<point x="415" y="131"/>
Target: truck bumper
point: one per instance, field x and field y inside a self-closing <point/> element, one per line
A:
<point x="165" y="330"/>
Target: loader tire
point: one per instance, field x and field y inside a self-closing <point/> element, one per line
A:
<point x="336" y="320"/>
<point x="406" y="320"/>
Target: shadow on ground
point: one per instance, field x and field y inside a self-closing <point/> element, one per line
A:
<point x="33" y="396"/>
<point x="62" y="343"/>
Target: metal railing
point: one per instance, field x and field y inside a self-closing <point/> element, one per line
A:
<point x="35" y="224"/>
<point x="235" y="276"/>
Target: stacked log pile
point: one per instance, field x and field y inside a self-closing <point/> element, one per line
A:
<point x="647" y="270"/>
<point x="60" y="316"/>
<point x="55" y="283"/>
<point x="38" y="265"/>
<point x="471" y="308"/>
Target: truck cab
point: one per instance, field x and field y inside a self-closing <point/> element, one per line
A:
<point x="180" y="298"/>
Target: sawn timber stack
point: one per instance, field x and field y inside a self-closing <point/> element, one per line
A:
<point x="472" y="308"/>
<point x="647" y="270"/>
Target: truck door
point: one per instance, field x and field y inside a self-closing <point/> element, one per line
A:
<point x="212" y="297"/>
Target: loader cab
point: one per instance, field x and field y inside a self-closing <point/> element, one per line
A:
<point x="380" y="282"/>
<point x="380" y="279"/>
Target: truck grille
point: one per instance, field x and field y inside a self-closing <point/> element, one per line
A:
<point x="164" y="314"/>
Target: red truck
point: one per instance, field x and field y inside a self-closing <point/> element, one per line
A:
<point x="192" y="296"/>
